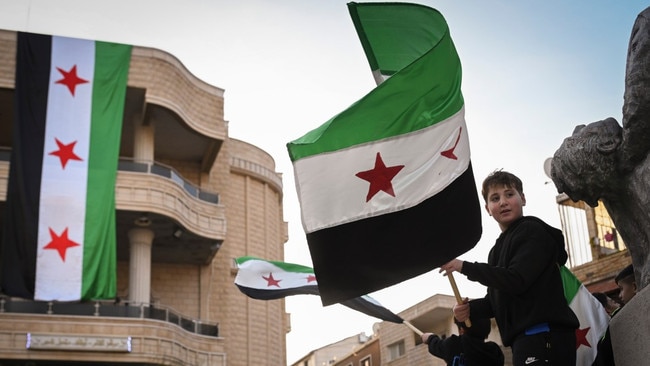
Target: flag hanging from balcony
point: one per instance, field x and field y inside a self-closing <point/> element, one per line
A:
<point x="268" y="280"/>
<point x="59" y="234"/>
<point x="591" y="313"/>
<point x="386" y="187"/>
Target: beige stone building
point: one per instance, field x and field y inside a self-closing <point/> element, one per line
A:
<point x="332" y="353"/>
<point x="189" y="200"/>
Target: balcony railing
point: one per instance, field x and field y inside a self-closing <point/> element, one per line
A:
<point x="151" y="168"/>
<point x="109" y="309"/>
<point x="167" y="172"/>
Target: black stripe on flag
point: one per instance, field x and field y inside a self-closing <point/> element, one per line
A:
<point x="19" y="238"/>
<point x="364" y="256"/>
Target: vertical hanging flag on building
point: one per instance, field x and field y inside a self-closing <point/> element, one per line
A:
<point x="592" y="315"/>
<point x="59" y="236"/>
<point x="386" y="187"/>
<point x="269" y="280"/>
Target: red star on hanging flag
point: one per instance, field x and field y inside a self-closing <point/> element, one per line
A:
<point x="311" y="278"/>
<point x="271" y="281"/>
<point x="380" y="177"/>
<point x="65" y="152"/>
<point x="450" y="153"/>
<point x="60" y="243"/>
<point x="581" y="337"/>
<point x="70" y="79"/>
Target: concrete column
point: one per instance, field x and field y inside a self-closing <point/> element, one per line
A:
<point x="140" y="240"/>
<point x="143" y="141"/>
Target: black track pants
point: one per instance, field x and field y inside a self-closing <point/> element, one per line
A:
<point x="556" y="348"/>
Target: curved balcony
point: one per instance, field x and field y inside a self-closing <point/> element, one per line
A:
<point x="156" y="188"/>
<point x="106" y="332"/>
<point x="110" y="309"/>
<point x="168" y="172"/>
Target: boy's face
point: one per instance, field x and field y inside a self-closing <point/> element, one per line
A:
<point x="628" y="290"/>
<point x="505" y="205"/>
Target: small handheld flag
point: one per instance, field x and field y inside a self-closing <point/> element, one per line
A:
<point x="268" y="280"/>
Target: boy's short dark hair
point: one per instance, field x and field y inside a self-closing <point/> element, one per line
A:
<point x="480" y="328"/>
<point x="501" y="178"/>
<point x="626" y="275"/>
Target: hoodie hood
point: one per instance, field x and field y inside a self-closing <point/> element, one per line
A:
<point x="556" y="234"/>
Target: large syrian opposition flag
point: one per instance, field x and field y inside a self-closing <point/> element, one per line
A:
<point x="59" y="234"/>
<point x="269" y="280"/>
<point x="386" y="187"/>
<point x="591" y="313"/>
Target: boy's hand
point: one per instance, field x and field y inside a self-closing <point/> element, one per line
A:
<point x="461" y="311"/>
<point x="451" y="266"/>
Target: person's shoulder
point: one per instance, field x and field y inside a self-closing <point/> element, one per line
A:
<point x="533" y="223"/>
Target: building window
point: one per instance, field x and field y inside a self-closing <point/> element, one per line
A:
<point x="608" y="237"/>
<point x="575" y="226"/>
<point x="366" y="361"/>
<point x="588" y="231"/>
<point x="396" y="350"/>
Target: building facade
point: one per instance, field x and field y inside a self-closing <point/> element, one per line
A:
<point x="367" y="354"/>
<point x="331" y="354"/>
<point x="189" y="200"/>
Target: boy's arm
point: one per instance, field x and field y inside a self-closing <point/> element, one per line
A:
<point x="443" y="348"/>
<point x="534" y="250"/>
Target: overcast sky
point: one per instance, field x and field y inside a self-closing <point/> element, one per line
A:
<point x="532" y="71"/>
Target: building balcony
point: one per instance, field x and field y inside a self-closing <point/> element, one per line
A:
<point x="105" y="331"/>
<point x="189" y="224"/>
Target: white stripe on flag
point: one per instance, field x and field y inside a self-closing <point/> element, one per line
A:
<point x="63" y="191"/>
<point x="592" y="315"/>
<point x="250" y="275"/>
<point x="331" y="194"/>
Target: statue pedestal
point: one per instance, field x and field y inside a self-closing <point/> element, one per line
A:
<point x="630" y="331"/>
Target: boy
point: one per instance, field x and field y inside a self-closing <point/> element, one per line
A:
<point x="468" y="348"/>
<point x="626" y="283"/>
<point x="524" y="288"/>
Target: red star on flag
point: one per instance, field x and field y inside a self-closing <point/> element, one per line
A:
<point x="65" y="152"/>
<point x="311" y="278"/>
<point x="450" y="153"/>
<point x="271" y="281"/>
<point x="380" y="177"/>
<point x="70" y="79"/>
<point x="60" y="243"/>
<point x="581" y="337"/>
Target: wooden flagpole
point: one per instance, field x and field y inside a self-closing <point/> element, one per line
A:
<point x="413" y="328"/>
<point x="459" y="299"/>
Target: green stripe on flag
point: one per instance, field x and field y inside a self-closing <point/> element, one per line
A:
<point x="109" y="92"/>
<point x="571" y="284"/>
<point x="418" y="96"/>
<point x="386" y="46"/>
<point x="287" y="267"/>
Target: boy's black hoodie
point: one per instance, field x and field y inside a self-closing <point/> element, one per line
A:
<point x="523" y="280"/>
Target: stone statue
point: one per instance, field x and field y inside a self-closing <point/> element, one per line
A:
<point x="608" y="162"/>
<point x="605" y="161"/>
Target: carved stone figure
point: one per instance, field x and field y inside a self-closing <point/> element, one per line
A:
<point x="608" y="162"/>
